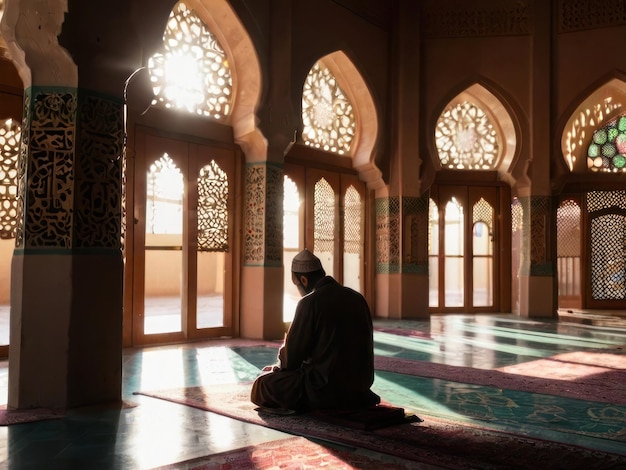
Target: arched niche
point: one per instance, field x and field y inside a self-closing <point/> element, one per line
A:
<point x="366" y="133"/>
<point x="499" y="117"/>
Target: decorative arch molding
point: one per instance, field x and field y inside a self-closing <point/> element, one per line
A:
<point x="244" y="64"/>
<point x="500" y="118"/>
<point x="357" y="91"/>
<point x="601" y="105"/>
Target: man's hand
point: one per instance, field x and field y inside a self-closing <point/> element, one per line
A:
<point x="272" y="368"/>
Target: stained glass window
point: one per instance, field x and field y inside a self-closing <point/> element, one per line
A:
<point x="584" y="124"/>
<point x="466" y="138"/>
<point x="327" y="115"/>
<point x="192" y="71"/>
<point x="607" y="150"/>
<point x="10" y="134"/>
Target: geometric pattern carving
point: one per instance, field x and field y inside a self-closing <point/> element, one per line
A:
<point x="608" y="255"/>
<point x="607" y="150"/>
<point x="466" y="139"/>
<point x="607" y="213"/>
<point x="387" y="236"/>
<point x="502" y="18"/>
<point x="98" y="173"/>
<point x="536" y="256"/>
<point x="600" y="200"/>
<point x="10" y="134"/>
<point x="263" y="215"/>
<point x="415" y="243"/>
<point x="48" y="200"/>
<point x="212" y="208"/>
<point x="483" y="212"/>
<point x="578" y="15"/>
<point x="324" y="217"/>
<point x="254" y="214"/>
<point x="352" y="217"/>
<point x="274" y="215"/>
<point x="327" y="116"/>
<point x="192" y="72"/>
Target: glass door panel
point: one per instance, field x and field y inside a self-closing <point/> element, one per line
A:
<point x="184" y="205"/>
<point x="463" y="274"/>
<point x="454" y="251"/>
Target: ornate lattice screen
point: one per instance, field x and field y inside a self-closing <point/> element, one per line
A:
<point x="10" y="133"/>
<point x="483" y="212"/>
<point x="352" y="221"/>
<point x="327" y="115"/>
<point x="608" y="244"/>
<point x="324" y="217"/>
<point x="466" y="138"/>
<point x="212" y="208"/>
<point x="192" y="71"/>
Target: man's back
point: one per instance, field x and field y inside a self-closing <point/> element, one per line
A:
<point x="331" y="340"/>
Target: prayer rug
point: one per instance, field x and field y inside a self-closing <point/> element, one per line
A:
<point x="435" y="441"/>
<point x="8" y="417"/>
<point x="296" y="453"/>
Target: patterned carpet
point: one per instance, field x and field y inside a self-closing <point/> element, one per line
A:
<point x="296" y="453"/>
<point x="435" y="441"/>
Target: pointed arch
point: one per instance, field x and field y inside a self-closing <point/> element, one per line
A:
<point x="479" y="97"/>
<point x="600" y="106"/>
<point x="245" y="68"/>
<point x="366" y="118"/>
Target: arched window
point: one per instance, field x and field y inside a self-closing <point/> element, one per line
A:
<point x="327" y="115"/>
<point x="607" y="150"/>
<point x="466" y="138"/>
<point x="192" y="71"/>
<point x="10" y="134"/>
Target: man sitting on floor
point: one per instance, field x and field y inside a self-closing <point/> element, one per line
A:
<point x="327" y="358"/>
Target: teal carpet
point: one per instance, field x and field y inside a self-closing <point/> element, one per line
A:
<point x="492" y="343"/>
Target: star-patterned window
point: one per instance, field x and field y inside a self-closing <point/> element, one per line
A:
<point x="327" y="114"/>
<point x="607" y="150"/>
<point x="191" y="72"/>
<point x="466" y="139"/>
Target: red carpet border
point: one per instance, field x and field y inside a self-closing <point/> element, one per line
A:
<point x="434" y="441"/>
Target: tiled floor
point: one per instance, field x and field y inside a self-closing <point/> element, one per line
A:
<point x="155" y="432"/>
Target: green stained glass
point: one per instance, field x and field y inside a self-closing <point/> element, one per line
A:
<point x="599" y="136"/>
<point x="619" y="161"/>
<point x="594" y="150"/>
<point x="621" y="123"/>
<point x="612" y="133"/>
<point x="608" y="150"/>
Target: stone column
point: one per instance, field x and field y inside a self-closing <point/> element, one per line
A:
<point x="263" y="271"/>
<point x="402" y="213"/>
<point x="538" y="293"/>
<point x="66" y="276"/>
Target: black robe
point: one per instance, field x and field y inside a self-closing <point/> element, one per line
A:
<point x="327" y="359"/>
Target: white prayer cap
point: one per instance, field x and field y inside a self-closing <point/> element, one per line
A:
<point x="305" y="262"/>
